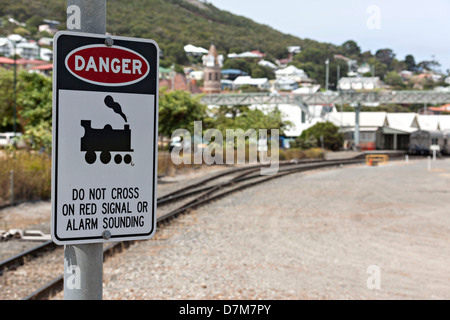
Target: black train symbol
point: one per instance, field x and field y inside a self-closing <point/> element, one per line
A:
<point x="106" y="140"/>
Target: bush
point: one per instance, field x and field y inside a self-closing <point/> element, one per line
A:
<point x="31" y="176"/>
<point x="298" y="154"/>
<point x="311" y="137"/>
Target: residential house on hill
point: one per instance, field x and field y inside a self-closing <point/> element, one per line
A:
<point x="359" y="83"/>
<point x="293" y="73"/>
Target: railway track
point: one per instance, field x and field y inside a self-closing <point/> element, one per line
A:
<point x="172" y="205"/>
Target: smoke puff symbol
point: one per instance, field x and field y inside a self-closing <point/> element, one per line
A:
<point x="110" y="103"/>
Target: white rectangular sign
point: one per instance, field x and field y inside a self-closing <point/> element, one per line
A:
<point x="104" y="138"/>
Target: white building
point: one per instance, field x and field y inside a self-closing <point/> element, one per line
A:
<point x="285" y="84"/>
<point x="246" y="54"/>
<point x="294" y="49"/>
<point x="28" y="50"/>
<point x="196" y="75"/>
<point x="359" y="83"/>
<point x="261" y="83"/>
<point x="267" y="64"/>
<point x="292" y="72"/>
<point x="195" y="51"/>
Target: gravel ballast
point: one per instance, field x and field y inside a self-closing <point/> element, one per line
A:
<point x="356" y="232"/>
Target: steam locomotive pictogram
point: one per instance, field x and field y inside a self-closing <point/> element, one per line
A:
<point x="107" y="140"/>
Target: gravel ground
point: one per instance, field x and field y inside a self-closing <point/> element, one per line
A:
<point x="37" y="215"/>
<point x="305" y="236"/>
<point x="314" y="235"/>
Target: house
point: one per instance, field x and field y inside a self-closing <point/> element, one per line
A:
<point x="292" y="72"/>
<point x="406" y="74"/>
<point x="308" y="89"/>
<point x="232" y="74"/>
<point x="50" y="26"/>
<point x="28" y="50"/>
<point x="46" y="54"/>
<point x="196" y="75"/>
<point x="294" y="49"/>
<point x="385" y="131"/>
<point x="261" y="83"/>
<point x="267" y="64"/>
<point x="45" y="41"/>
<point x="285" y="84"/>
<point x="444" y="122"/>
<point x="428" y="122"/>
<point x="6" y="47"/>
<point x="369" y="124"/>
<point x="364" y="68"/>
<point x="247" y="54"/>
<point x="44" y="69"/>
<point x="226" y="85"/>
<point x="359" y="83"/>
<point x="194" y="51"/>
<point x="6" y="61"/>
<point x="179" y="82"/>
<point x="396" y="135"/>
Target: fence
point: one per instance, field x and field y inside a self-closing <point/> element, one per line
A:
<point x="20" y="186"/>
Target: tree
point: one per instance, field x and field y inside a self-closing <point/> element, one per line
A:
<point x="239" y="64"/>
<point x="379" y="67"/>
<point x="6" y="100"/>
<point x="176" y="51"/>
<point x="332" y="138"/>
<point x="351" y="48"/>
<point x="385" y="56"/>
<point x="258" y="71"/>
<point x="178" y="110"/>
<point x="34" y="107"/>
<point x="410" y="63"/>
<point x="242" y="117"/>
<point x="393" y="79"/>
<point x="431" y="65"/>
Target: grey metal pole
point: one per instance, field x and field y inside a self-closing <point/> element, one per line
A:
<point x="83" y="264"/>
<point x="15" y="96"/>
<point x="357" y="110"/>
<point x="86" y="16"/>
<point x="11" y="187"/>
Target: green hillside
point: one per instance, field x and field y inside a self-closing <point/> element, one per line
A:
<point x="169" y="22"/>
<point x="175" y="23"/>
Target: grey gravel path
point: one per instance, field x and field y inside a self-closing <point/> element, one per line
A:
<point x="329" y="234"/>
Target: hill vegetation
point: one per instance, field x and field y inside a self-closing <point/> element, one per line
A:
<point x="175" y="23"/>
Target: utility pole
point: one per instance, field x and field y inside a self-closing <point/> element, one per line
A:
<point x="15" y="96"/>
<point x="83" y="263"/>
<point x="14" y="39"/>
<point x="326" y="75"/>
<point x="357" y="110"/>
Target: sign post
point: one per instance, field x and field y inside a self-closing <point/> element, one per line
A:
<point x="105" y="126"/>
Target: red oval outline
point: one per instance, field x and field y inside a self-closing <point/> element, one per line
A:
<point x="129" y="79"/>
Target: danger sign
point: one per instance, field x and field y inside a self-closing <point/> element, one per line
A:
<point x="105" y="116"/>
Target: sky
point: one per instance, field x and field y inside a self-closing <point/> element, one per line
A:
<point x="417" y="27"/>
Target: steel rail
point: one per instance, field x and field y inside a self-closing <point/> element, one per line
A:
<point x="19" y="259"/>
<point x="56" y="285"/>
